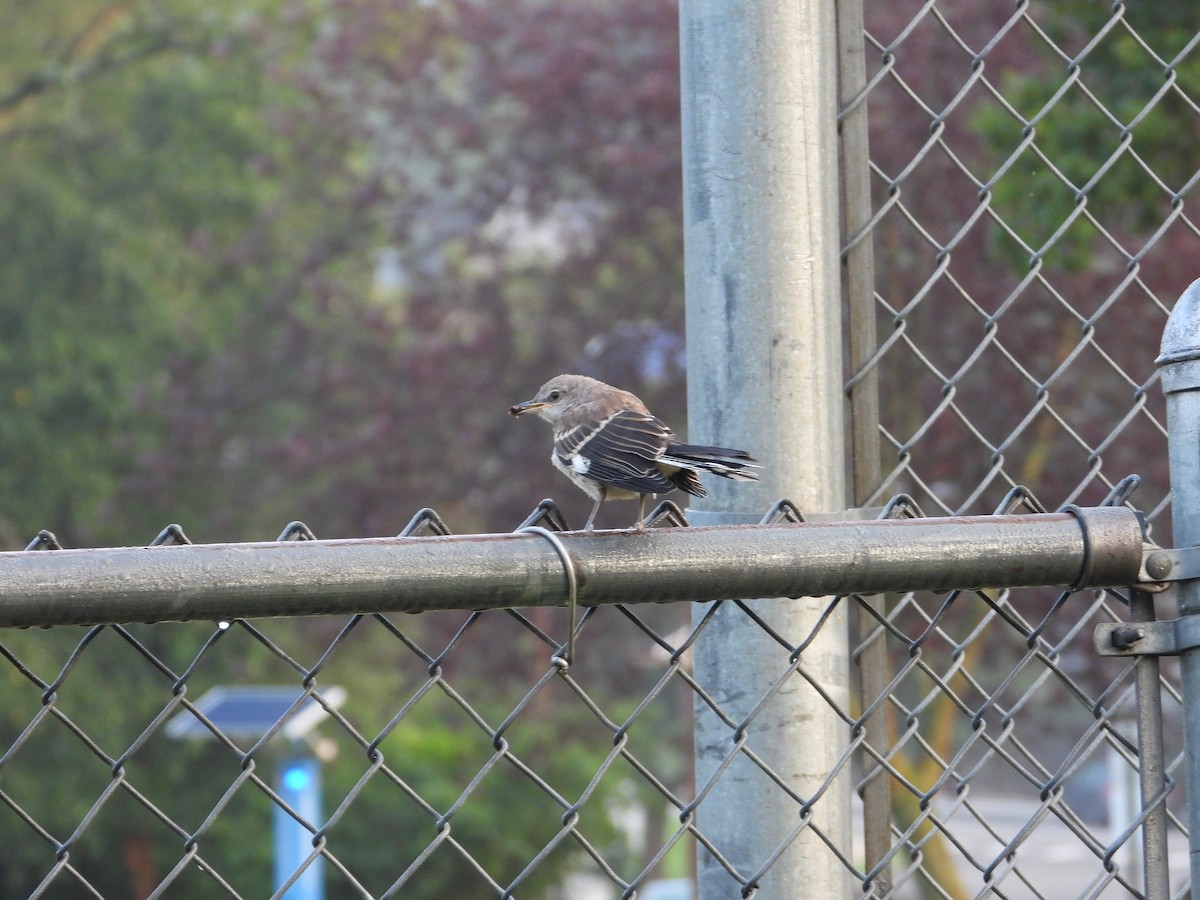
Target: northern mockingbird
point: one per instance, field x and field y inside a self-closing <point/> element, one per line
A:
<point x="612" y="448"/>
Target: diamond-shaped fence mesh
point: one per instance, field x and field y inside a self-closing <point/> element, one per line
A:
<point x="1012" y="260"/>
<point x="1027" y="226"/>
<point x="1001" y="734"/>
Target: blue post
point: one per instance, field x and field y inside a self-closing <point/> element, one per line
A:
<point x="299" y="784"/>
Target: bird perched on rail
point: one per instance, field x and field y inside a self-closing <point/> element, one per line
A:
<point x="612" y="448"/>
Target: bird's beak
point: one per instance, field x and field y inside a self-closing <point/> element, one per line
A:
<point x="527" y="406"/>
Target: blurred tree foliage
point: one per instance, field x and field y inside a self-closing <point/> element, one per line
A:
<point x="1101" y="122"/>
<point x="133" y="156"/>
<point x="282" y="259"/>
<point x="472" y="198"/>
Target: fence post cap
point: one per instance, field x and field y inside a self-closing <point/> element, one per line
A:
<point x="1181" y="337"/>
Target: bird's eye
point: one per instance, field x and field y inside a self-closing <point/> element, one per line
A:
<point x="555" y="396"/>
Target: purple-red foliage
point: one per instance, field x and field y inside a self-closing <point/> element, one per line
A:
<point x="409" y="126"/>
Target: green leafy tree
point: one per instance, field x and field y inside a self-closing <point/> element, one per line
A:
<point x="493" y="200"/>
<point x="199" y="326"/>
<point x="1108" y="111"/>
<point x="129" y="153"/>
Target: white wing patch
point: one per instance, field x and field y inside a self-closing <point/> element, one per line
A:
<point x="580" y="464"/>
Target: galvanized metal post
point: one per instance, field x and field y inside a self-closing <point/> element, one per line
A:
<point x="863" y="394"/>
<point x="1152" y="767"/>
<point x="1180" y="367"/>
<point x="765" y="373"/>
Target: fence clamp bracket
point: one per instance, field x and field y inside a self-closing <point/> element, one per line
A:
<point x="1167" y="638"/>
<point x="1161" y="566"/>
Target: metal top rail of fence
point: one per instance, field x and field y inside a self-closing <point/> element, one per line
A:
<point x="1098" y="547"/>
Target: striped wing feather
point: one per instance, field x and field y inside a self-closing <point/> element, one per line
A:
<point x="623" y="452"/>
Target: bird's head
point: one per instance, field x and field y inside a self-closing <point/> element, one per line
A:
<point x="557" y="396"/>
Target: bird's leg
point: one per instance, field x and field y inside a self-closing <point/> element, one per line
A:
<point x="595" y="509"/>
<point x="640" y="524"/>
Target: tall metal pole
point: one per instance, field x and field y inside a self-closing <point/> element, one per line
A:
<point x="1156" y="878"/>
<point x="865" y="455"/>
<point x="765" y="374"/>
<point x="1180" y="367"/>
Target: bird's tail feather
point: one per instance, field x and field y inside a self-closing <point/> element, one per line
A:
<point x="734" y="464"/>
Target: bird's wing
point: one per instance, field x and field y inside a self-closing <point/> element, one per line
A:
<point x="621" y="451"/>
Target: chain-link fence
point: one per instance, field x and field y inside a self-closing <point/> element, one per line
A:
<point x="577" y="751"/>
<point x="1010" y="261"/>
